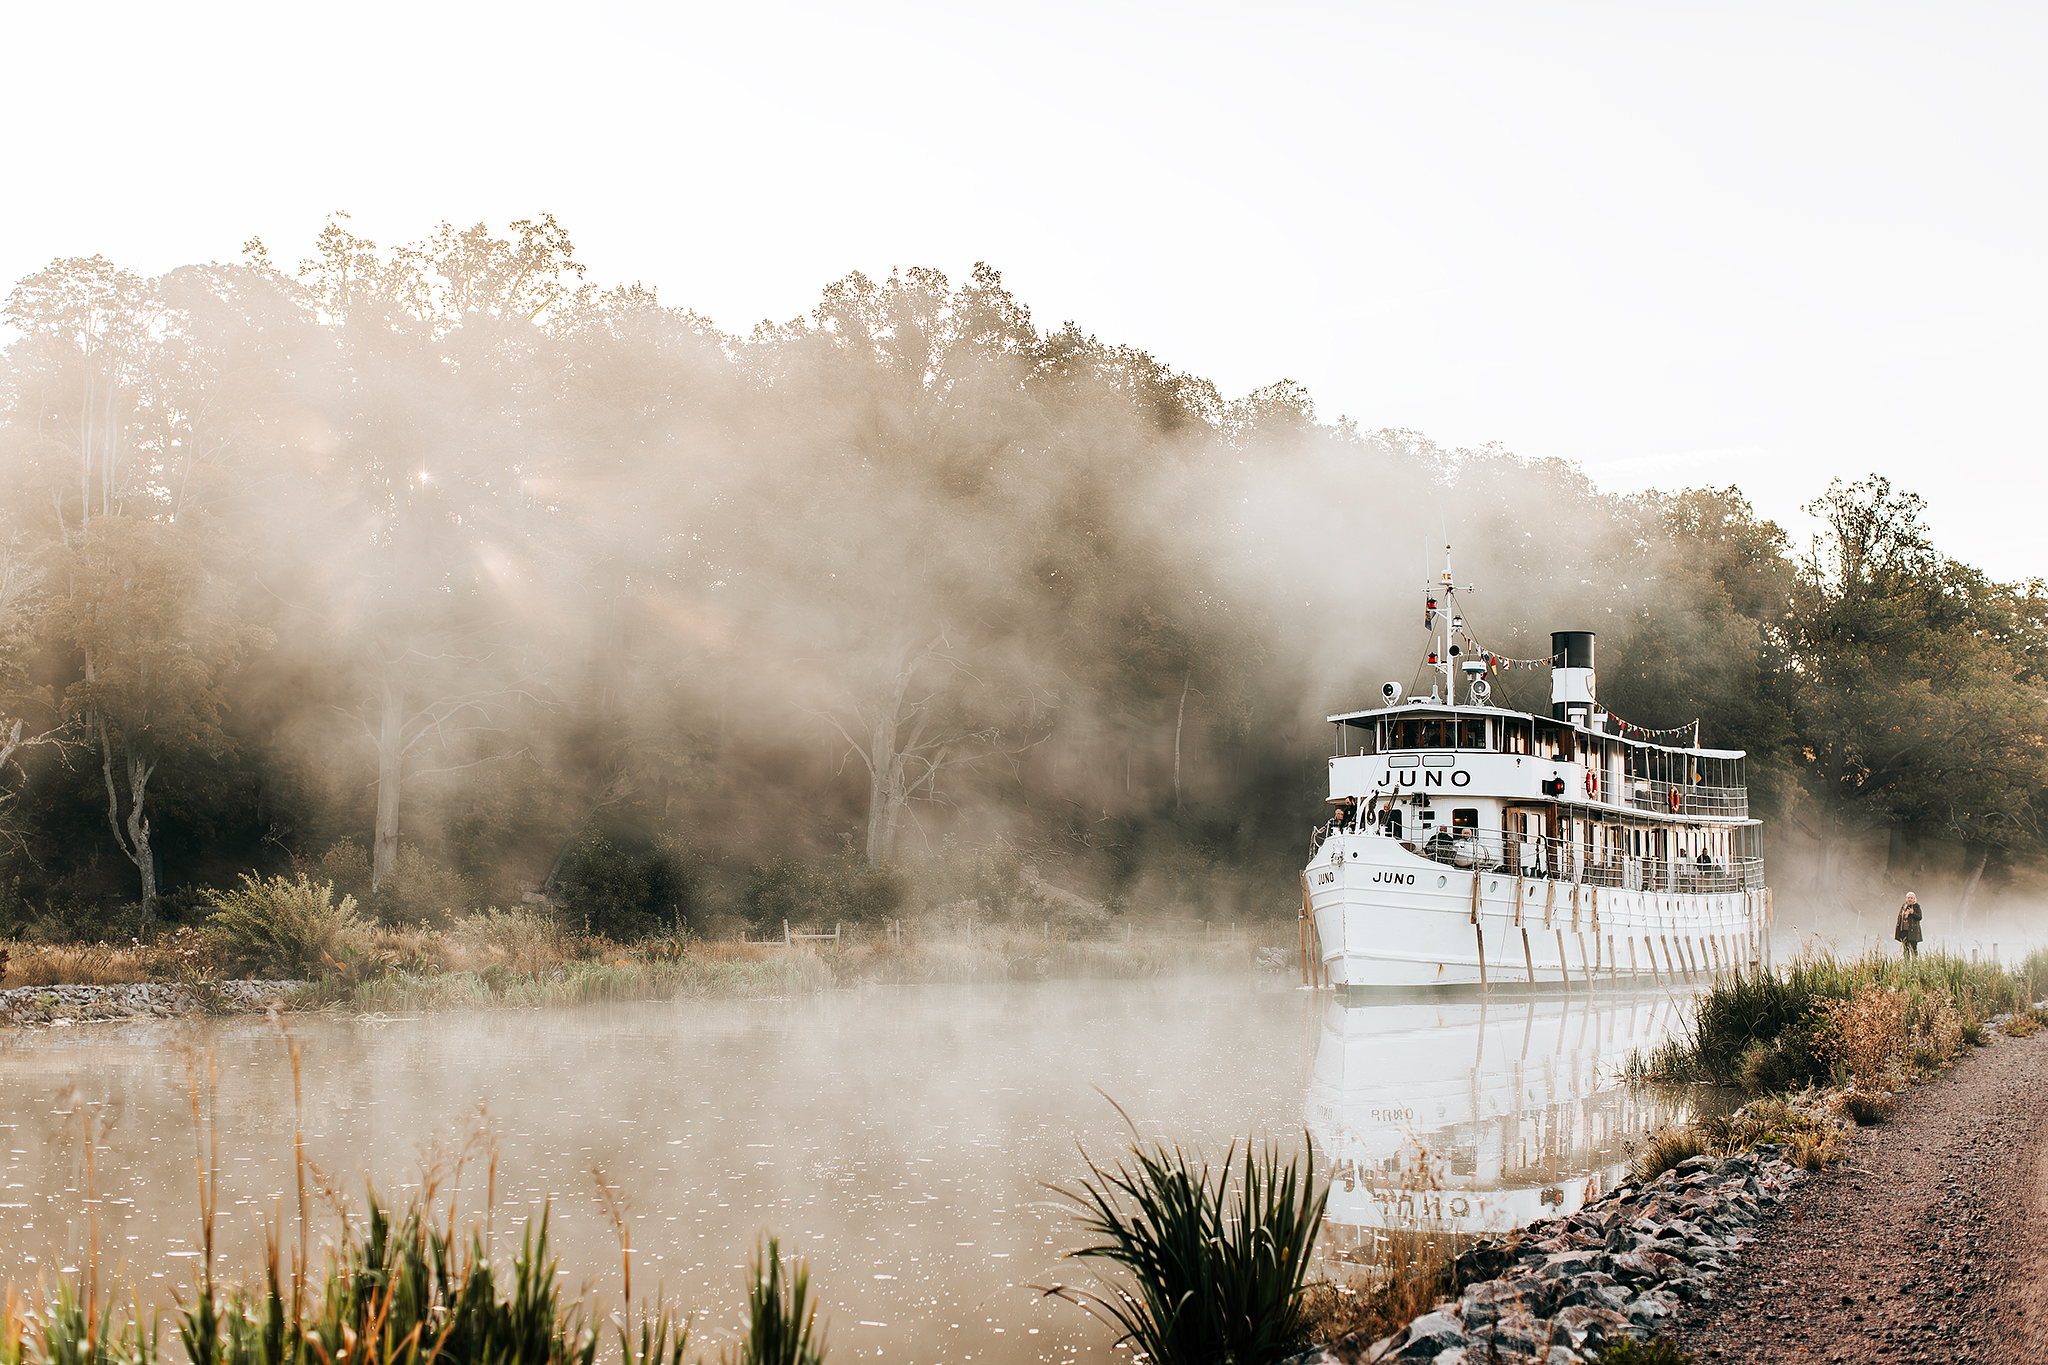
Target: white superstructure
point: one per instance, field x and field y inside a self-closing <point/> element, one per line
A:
<point x="1473" y="845"/>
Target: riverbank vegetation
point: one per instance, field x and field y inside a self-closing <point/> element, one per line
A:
<point x="1216" y="1262"/>
<point x="1825" y="1042"/>
<point x="295" y="929"/>
<point x="1872" y="1022"/>
<point x="459" y="581"/>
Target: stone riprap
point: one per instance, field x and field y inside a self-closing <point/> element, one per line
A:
<point x="62" y="1006"/>
<point x="1554" y="1291"/>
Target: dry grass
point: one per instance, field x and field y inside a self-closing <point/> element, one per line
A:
<point x="100" y="964"/>
<point x="1664" y="1149"/>
<point x="1863" y="1107"/>
<point x="1407" y="1272"/>
<point x="1868" y="1033"/>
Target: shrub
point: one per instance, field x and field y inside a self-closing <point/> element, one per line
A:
<point x="1867" y="1033"/>
<point x="843" y="890"/>
<point x="1214" y="1278"/>
<point x="603" y="891"/>
<point x="2022" y="1025"/>
<point x="418" y="891"/>
<point x="990" y="878"/>
<point x="1665" y="1149"/>
<point x="1753" y="1007"/>
<point x="1629" y="1351"/>
<point x="288" y="927"/>
<point x="515" y="941"/>
<point x="1866" y="1107"/>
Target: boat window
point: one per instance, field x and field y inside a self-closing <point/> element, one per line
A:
<point x="1433" y="735"/>
<point x="1465" y="817"/>
<point x="1544" y="739"/>
<point x="1514" y="736"/>
<point x="1472" y="733"/>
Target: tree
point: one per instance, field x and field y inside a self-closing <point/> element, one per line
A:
<point x="157" y="635"/>
<point x="1912" y="705"/>
<point x="441" y="401"/>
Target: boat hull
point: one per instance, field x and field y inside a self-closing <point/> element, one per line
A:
<point x="1387" y="917"/>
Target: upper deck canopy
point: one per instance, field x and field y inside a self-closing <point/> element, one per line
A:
<point x="1426" y="708"/>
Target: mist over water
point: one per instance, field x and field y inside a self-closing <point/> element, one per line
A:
<point x="900" y="1138"/>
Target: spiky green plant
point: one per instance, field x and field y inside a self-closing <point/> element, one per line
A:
<point x="1212" y="1277"/>
<point x="407" y="1293"/>
<point x="285" y="926"/>
<point x="72" y="1331"/>
<point x="781" y="1315"/>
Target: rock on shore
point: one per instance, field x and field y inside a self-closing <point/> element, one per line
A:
<point x="60" y="1006"/>
<point x="1556" y="1290"/>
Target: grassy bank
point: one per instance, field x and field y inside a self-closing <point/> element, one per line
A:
<point x="1872" y="1022"/>
<point x="1825" y="1042"/>
<point x="298" y="930"/>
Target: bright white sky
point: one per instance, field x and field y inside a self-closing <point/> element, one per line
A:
<point x="1765" y="244"/>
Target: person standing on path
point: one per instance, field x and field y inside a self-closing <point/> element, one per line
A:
<point x="1908" y="930"/>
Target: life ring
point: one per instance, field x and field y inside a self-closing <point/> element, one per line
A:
<point x="1593" y="784"/>
<point x="1675" y="799"/>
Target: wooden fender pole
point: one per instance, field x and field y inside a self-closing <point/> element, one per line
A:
<point x="1302" y="924"/>
<point x="1528" y="957"/>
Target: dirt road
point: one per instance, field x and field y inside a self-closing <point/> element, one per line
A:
<point x="1929" y="1244"/>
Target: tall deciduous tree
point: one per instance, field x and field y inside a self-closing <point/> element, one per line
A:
<point x="157" y="635"/>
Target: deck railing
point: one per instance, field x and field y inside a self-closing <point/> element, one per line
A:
<point x="1642" y="793"/>
<point x="1565" y="860"/>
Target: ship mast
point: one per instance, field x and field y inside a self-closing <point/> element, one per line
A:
<point x="1441" y="645"/>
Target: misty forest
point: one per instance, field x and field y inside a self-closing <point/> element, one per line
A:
<point x="445" y="575"/>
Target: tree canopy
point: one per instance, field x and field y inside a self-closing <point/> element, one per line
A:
<point x="443" y="547"/>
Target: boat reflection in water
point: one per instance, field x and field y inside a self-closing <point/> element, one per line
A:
<point x="1478" y="1115"/>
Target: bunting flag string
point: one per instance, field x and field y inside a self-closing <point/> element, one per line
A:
<point x="1644" y="732"/>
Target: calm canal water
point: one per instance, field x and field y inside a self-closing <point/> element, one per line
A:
<point x="900" y="1138"/>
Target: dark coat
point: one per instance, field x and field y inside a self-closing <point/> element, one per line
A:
<point x="1908" y="930"/>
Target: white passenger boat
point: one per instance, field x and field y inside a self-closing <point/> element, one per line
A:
<point x="1471" y="845"/>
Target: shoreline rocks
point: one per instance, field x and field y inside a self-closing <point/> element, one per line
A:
<point x="64" y="1006"/>
<point x="1555" y="1291"/>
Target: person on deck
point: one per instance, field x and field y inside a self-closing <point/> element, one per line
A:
<point x="1907" y="931"/>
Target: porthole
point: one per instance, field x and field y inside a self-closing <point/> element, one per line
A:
<point x="1492" y="887"/>
<point x="1439" y="883"/>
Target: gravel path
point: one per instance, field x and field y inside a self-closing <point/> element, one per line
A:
<point x="1929" y="1244"/>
